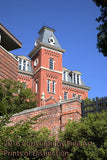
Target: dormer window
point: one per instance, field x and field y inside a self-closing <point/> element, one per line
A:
<point x="74" y="78"/>
<point x="23" y="64"/>
<point x="51" y="63"/>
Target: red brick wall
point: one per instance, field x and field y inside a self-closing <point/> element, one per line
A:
<point x="55" y="116"/>
<point x="27" y="79"/>
<point x="8" y="65"/>
<point x="43" y="74"/>
<point x="71" y="90"/>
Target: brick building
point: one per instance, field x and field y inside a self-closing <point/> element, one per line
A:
<point x="58" y="90"/>
<point x="8" y="62"/>
<point x="43" y="71"/>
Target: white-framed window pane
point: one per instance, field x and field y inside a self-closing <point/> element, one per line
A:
<point x="24" y="65"/>
<point x="65" y="95"/>
<point x="53" y="86"/>
<point x="20" y="64"/>
<point x="48" y="85"/>
<point x="77" y="79"/>
<point x="50" y="63"/>
<point x="74" y="78"/>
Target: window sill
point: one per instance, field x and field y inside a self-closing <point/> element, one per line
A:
<point x="51" y="93"/>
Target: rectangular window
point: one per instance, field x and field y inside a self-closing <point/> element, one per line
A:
<point x="20" y="64"/>
<point x="48" y="85"/>
<point x="74" y="95"/>
<point x="27" y="66"/>
<point x="77" y="79"/>
<point x="51" y="66"/>
<point x="36" y="87"/>
<point x="65" y="96"/>
<point x="24" y="85"/>
<point x="74" y="78"/>
<point x="24" y="65"/>
<point x="53" y="86"/>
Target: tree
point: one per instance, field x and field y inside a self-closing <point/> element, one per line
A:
<point x="14" y="97"/>
<point x="86" y="139"/>
<point x="22" y="142"/>
<point x="102" y="35"/>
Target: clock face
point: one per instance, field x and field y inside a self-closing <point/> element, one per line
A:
<point x="51" y="40"/>
<point x="35" y="62"/>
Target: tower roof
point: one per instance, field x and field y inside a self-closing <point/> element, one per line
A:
<point x="46" y="36"/>
<point x="46" y="39"/>
<point x="46" y="27"/>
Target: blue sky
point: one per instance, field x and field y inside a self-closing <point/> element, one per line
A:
<point x="75" y="25"/>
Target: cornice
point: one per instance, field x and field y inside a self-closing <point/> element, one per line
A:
<point x="25" y="73"/>
<point x="40" y="45"/>
<point x="76" y="85"/>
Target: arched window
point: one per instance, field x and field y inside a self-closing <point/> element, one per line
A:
<point x="51" y="63"/>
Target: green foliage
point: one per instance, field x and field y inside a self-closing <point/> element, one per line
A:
<point x="86" y="139"/>
<point x="22" y="142"/>
<point x="102" y="35"/>
<point x="14" y="98"/>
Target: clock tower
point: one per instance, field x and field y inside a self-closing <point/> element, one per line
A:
<point x="46" y="58"/>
